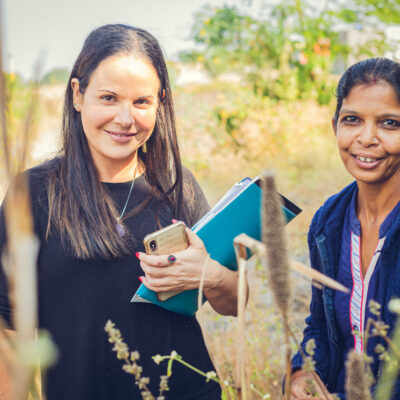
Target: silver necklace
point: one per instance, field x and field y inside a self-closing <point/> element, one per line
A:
<point x="119" y="227"/>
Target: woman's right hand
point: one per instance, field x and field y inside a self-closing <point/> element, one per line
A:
<point x="301" y="387"/>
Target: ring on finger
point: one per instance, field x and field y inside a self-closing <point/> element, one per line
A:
<point x="171" y="259"/>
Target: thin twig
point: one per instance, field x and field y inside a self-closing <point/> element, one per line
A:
<point x="183" y="362"/>
<point x="201" y="285"/>
<point x="254" y="390"/>
<point x="288" y="381"/>
<point x="258" y="248"/>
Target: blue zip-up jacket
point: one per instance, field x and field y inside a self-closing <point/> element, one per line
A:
<point x="324" y="241"/>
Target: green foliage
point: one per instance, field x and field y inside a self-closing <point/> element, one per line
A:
<point x="22" y="111"/>
<point x="172" y="73"/>
<point x="57" y="75"/>
<point x="222" y="34"/>
<point x="287" y="53"/>
<point x="386" y="11"/>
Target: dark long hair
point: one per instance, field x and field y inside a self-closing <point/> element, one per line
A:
<point x="367" y="72"/>
<point x="79" y="205"/>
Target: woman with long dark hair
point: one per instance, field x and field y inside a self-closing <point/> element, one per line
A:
<point x="355" y="236"/>
<point x="117" y="178"/>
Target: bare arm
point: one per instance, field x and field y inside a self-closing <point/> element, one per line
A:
<point x="221" y="289"/>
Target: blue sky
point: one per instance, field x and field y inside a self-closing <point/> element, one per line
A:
<point x="53" y="31"/>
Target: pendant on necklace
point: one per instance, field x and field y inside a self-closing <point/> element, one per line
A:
<point x="120" y="229"/>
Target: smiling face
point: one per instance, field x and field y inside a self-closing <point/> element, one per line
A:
<point x="118" y="111"/>
<point x="368" y="133"/>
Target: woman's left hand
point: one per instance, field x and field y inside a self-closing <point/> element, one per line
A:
<point x="220" y="284"/>
<point x="185" y="273"/>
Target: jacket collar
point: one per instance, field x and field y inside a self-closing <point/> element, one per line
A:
<point x="329" y="229"/>
<point x="332" y="213"/>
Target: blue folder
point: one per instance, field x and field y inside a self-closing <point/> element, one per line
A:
<point x="239" y="211"/>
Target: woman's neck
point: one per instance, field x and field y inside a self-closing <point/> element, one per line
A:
<point x="121" y="172"/>
<point x="374" y="202"/>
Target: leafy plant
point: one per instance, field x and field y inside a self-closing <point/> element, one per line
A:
<point x="289" y="50"/>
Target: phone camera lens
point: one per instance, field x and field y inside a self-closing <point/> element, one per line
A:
<point x="153" y="245"/>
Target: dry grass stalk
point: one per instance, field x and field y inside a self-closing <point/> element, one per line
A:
<point x="199" y="317"/>
<point x="317" y="276"/>
<point x="14" y="224"/>
<point x="273" y="236"/>
<point x="258" y="248"/>
<point x="22" y="251"/>
<point x="22" y="244"/>
<point x="201" y="286"/>
<point x="356" y="378"/>
<point x="241" y="254"/>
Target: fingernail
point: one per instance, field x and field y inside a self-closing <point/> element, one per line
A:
<point x="137" y="254"/>
<point x="141" y="279"/>
<point x="174" y="220"/>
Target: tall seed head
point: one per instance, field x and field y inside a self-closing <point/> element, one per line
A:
<point x="274" y="239"/>
<point x="356" y="378"/>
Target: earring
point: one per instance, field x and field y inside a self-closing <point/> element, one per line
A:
<point x="144" y="147"/>
<point x="76" y="106"/>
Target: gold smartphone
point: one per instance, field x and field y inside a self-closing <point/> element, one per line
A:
<point x="166" y="241"/>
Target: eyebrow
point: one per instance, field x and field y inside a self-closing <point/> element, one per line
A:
<point x="115" y="94"/>
<point x="390" y="116"/>
<point x="387" y="115"/>
<point x="108" y="91"/>
<point x="347" y="111"/>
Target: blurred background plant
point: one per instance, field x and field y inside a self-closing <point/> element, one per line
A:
<point x="25" y="351"/>
<point x="290" y="48"/>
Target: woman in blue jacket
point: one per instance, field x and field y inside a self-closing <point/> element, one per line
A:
<point x="355" y="236"/>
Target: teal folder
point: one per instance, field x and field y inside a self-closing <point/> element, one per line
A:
<point x="239" y="211"/>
